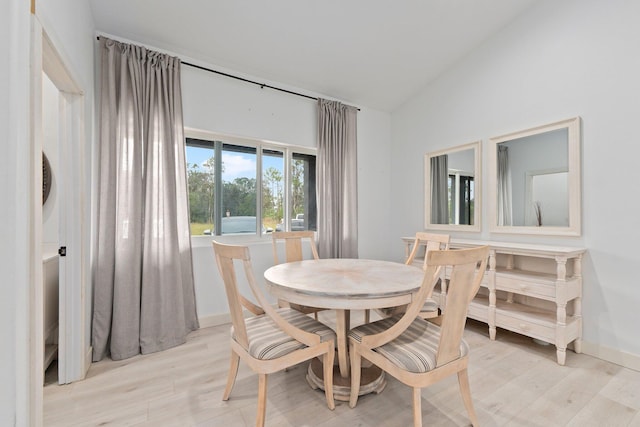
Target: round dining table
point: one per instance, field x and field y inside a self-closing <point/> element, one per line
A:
<point x="343" y="285"/>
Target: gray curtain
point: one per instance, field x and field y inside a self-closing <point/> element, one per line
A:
<point x="337" y="180"/>
<point x="144" y="298"/>
<point x="505" y="205"/>
<point x="440" y="189"/>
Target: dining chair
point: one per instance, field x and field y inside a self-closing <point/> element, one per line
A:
<point x="293" y="242"/>
<point x="415" y="351"/>
<point x="274" y="338"/>
<point x="430" y="242"/>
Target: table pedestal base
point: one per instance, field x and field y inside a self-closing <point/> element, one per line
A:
<point x="371" y="380"/>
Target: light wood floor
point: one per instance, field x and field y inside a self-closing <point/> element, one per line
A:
<point x="514" y="382"/>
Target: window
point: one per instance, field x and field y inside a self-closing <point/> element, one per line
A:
<point x="248" y="187"/>
<point x="461" y="198"/>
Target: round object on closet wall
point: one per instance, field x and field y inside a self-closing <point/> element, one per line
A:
<point x="46" y="178"/>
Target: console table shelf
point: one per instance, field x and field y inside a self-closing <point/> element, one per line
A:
<point x="534" y="290"/>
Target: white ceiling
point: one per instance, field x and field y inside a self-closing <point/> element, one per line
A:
<point x="373" y="53"/>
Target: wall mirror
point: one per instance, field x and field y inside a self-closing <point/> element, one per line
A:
<point x="452" y="182"/>
<point x="534" y="180"/>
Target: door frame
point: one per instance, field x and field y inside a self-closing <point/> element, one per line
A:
<point x="73" y="349"/>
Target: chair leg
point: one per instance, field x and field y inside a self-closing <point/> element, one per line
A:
<point x="367" y="316"/>
<point x="262" y="400"/>
<point x="356" y="363"/>
<point x="465" y="390"/>
<point x="417" y="407"/>
<point x="328" y="377"/>
<point x="315" y="315"/>
<point x="233" y="372"/>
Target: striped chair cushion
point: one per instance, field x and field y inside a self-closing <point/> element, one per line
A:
<point x="268" y="341"/>
<point x="429" y="306"/>
<point x="414" y="350"/>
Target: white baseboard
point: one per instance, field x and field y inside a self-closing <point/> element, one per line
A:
<point x="214" y="320"/>
<point x="627" y="360"/>
<point x="221" y="318"/>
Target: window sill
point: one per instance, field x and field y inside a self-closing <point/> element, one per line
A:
<point x="237" y="239"/>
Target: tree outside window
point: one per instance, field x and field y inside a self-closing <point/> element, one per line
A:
<point x="223" y="188"/>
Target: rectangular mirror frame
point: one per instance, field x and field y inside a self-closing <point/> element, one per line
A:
<point x="573" y="126"/>
<point x="477" y="206"/>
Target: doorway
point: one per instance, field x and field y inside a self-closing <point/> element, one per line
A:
<point x="59" y="133"/>
<point x="50" y="226"/>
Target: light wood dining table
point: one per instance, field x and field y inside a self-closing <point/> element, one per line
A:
<point x="344" y="285"/>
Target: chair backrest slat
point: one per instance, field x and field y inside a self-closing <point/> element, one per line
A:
<point x="431" y="242"/>
<point x="293" y="250"/>
<point x="467" y="270"/>
<point x="225" y="254"/>
<point x="293" y="244"/>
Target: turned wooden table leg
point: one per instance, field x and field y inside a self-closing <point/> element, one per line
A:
<point x="342" y="329"/>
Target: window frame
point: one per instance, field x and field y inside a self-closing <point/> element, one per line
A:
<point x="259" y="145"/>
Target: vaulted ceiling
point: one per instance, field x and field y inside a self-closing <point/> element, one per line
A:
<point x="373" y="53"/>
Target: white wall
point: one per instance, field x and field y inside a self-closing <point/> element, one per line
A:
<point x="222" y="105"/>
<point x="559" y="60"/>
<point x="375" y="213"/>
<point x="14" y="223"/>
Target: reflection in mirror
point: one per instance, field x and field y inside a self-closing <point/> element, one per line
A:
<point x="546" y="193"/>
<point x="521" y="159"/>
<point x="452" y="187"/>
<point x="536" y="179"/>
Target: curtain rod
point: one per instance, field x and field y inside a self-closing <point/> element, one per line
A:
<point x="262" y="85"/>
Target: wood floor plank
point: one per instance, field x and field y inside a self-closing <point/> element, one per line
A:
<point x="602" y="411"/>
<point x="569" y="396"/>
<point x="514" y="382"/>
<point x="624" y="387"/>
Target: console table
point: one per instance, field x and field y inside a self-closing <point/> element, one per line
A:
<point x="533" y="290"/>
